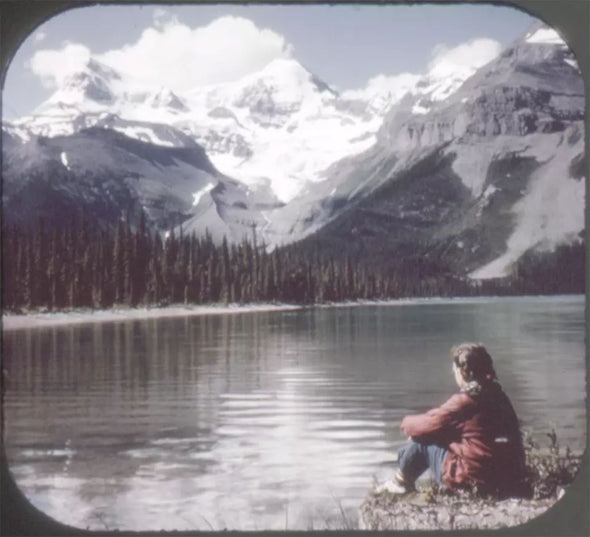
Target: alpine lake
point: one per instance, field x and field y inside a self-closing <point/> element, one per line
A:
<point x="263" y="420"/>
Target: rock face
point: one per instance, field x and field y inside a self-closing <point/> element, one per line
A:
<point x="533" y="86"/>
<point x="417" y="511"/>
<point x="109" y="176"/>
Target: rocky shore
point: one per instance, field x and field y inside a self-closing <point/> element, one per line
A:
<point x="428" y="510"/>
<point x="550" y="470"/>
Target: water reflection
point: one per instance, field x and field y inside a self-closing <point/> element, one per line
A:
<point x="263" y="420"/>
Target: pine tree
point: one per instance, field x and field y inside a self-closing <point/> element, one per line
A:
<point x="119" y="264"/>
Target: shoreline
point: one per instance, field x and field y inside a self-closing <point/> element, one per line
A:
<point x="39" y="319"/>
<point x="17" y="321"/>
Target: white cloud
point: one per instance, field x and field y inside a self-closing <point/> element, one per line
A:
<point x="382" y="91"/>
<point x="466" y="56"/>
<point x="446" y="61"/>
<point x="177" y="56"/>
<point x="381" y="84"/>
<point x="53" y="66"/>
<point x="172" y="54"/>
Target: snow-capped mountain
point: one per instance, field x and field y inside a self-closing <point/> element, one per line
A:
<point x="92" y="84"/>
<point x="282" y="126"/>
<point x="165" y="98"/>
<point x="478" y="162"/>
<point x="491" y="172"/>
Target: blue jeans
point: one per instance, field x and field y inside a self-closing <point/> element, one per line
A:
<point x="415" y="458"/>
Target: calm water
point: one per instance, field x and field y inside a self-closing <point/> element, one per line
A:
<point x="262" y="420"/>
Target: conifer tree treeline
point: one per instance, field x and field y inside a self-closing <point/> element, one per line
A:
<point x="78" y="266"/>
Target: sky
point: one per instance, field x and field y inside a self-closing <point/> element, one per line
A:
<point x="185" y="46"/>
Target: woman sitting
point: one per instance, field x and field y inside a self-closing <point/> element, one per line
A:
<point x="472" y="440"/>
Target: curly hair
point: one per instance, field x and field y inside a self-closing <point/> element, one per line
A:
<point x="474" y="362"/>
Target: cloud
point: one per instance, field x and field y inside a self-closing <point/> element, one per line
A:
<point x="177" y="56"/>
<point x="445" y="61"/>
<point x="466" y="56"/>
<point x="390" y="88"/>
<point x="172" y="54"/>
<point x="396" y="85"/>
<point x="53" y="66"/>
<point x="162" y="17"/>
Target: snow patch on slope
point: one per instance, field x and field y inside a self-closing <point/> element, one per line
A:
<point x="573" y="63"/>
<point x="200" y="193"/>
<point x="471" y="165"/>
<point x="64" y="160"/>
<point x="143" y="134"/>
<point x="547" y="36"/>
<point x="418" y="109"/>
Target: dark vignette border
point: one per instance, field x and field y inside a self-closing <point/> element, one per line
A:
<point x="568" y="517"/>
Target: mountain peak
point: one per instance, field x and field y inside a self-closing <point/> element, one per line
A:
<point x="102" y="70"/>
<point x="539" y="59"/>
<point x="93" y="81"/>
<point x="164" y="97"/>
<point x="540" y="42"/>
<point x="285" y="68"/>
<point x="289" y="72"/>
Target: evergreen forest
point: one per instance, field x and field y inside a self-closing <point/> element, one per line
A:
<point x="77" y="266"/>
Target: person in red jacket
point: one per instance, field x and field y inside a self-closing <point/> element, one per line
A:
<point x="473" y="439"/>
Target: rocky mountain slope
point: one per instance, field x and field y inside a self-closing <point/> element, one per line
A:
<point x="473" y="169"/>
<point x="491" y="172"/>
<point x="110" y="176"/>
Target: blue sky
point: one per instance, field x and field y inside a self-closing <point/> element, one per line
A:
<point x="345" y="45"/>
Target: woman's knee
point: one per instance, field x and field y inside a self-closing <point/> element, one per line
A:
<point x="410" y="451"/>
<point x="405" y="448"/>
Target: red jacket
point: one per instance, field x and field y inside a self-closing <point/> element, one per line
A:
<point x="481" y="433"/>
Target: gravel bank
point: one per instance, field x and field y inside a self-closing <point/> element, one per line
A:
<point x="422" y="510"/>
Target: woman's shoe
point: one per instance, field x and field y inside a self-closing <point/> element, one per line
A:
<point x="392" y="487"/>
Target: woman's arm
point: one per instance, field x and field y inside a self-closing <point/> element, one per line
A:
<point x="438" y="422"/>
